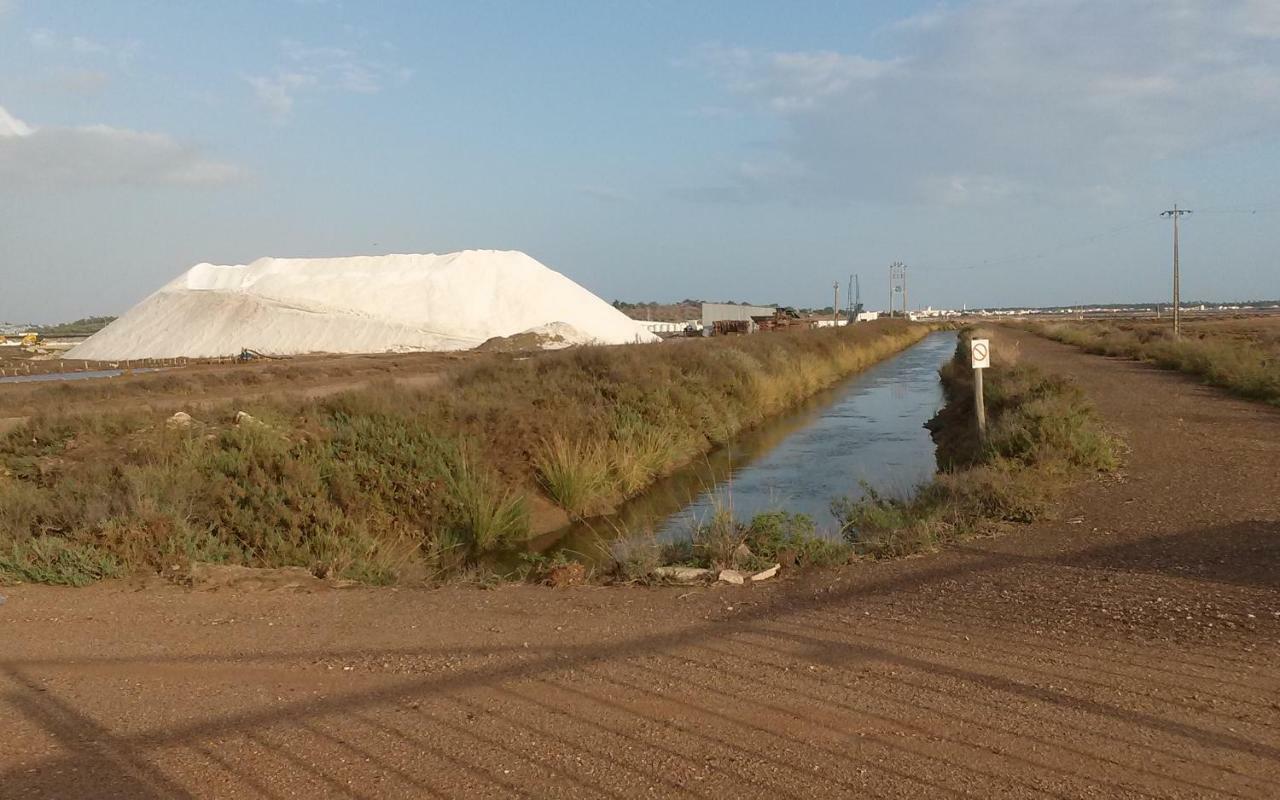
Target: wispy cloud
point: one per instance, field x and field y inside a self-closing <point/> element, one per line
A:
<point x="985" y="102"/>
<point x="51" y="157"/>
<point x="790" y="81"/>
<point x="75" y="45"/>
<point x="307" y="68"/>
<point x="78" y="81"/>
<point x="607" y="194"/>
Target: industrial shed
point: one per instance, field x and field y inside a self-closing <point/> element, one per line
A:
<point x="732" y="312"/>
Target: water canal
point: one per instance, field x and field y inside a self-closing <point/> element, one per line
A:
<point x="865" y="432"/>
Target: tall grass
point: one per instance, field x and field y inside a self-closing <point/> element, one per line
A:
<point x="490" y="515"/>
<point x="1245" y="365"/>
<point x="364" y="484"/>
<point x="573" y="473"/>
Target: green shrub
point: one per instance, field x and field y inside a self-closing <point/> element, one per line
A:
<point x="50" y="559"/>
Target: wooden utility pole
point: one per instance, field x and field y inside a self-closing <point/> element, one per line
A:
<point x="1174" y="214"/>
<point x="835" y="304"/>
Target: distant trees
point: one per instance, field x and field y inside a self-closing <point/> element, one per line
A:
<point x="80" y="327"/>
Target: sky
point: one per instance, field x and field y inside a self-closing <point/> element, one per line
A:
<point x="1010" y="152"/>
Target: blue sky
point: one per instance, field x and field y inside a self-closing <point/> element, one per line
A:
<point x="1009" y="151"/>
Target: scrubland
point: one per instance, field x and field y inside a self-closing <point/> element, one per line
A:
<point x="1241" y="355"/>
<point x="388" y="481"/>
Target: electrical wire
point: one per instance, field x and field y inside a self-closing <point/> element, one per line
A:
<point x="1069" y="244"/>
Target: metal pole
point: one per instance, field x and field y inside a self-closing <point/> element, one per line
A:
<point x="835" y="304"/>
<point x="979" y="404"/>
<point x="905" y="312"/>
<point x="1177" y="290"/>
<point x="1176" y="212"/>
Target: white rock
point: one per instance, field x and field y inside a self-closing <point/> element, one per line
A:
<point x="681" y="574"/>
<point x="733" y="576"/>
<point x="765" y="575"/>
<point x="180" y="420"/>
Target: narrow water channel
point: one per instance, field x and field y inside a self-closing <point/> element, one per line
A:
<point x="865" y="431"/>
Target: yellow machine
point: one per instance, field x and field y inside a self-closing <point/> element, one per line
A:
<point x="31" y="339"/>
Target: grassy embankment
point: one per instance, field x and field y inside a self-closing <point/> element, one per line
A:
<point x="386" y="481"/>
<point x="1235" y="355"/>
<point x="1042" y="435"/>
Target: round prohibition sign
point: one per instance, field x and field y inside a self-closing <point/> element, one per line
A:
<point x="980" y="351"/>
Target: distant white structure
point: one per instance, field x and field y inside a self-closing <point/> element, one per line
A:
<point x="663" y="327"/>
<point x="867" y="316"/>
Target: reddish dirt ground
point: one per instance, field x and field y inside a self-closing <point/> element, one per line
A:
<point x="1130" y="648"/>
<point x="204" y="385"/>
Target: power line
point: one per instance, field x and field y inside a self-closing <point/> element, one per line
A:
<point x="1045" y="253"/>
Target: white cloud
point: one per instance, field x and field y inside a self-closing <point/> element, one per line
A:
<point x="80" y="46"/>
<point x="100" y="155"/>
<point x="1260" y="18"/>
<point x="998" y="99"/>
<point x="78" y="81"/>
<point x="276" y="92"/>
<point x="319" y="69"/>
<point x="789" y="82"/>
<point x="12" y="126"/>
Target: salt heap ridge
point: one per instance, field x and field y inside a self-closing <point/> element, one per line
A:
<point x="359" y="304"/>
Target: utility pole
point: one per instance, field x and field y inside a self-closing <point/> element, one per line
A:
<point x="1173" y="214"/>
<point x="835" y="304"/>
<point x="898" y="283"/>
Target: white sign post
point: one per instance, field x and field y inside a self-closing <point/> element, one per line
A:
<point x="980" y="358"/>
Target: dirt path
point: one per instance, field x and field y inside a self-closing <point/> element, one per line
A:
<point x="1130" y="650"/>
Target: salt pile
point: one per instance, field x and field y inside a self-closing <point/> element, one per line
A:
<point x="361" y="304"/>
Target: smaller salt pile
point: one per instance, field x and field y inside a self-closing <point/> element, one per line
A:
<point x="361" y="304"/>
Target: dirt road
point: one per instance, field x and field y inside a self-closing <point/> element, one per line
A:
<point x="1131" y="649"/>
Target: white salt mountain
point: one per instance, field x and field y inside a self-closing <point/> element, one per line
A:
<point x="361" y="304"/>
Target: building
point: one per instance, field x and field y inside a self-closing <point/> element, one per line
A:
<point x="732" y="312"/>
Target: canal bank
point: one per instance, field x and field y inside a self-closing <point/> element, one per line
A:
<point x="867" y="432"/>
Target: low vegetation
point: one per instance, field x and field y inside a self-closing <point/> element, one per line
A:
<point x="377" y="482"/>
<point x="724" y="542"/>
<point x="1239" y="355"/>
<point x="1042" y="434"/>
<point x="80" y="327"/>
